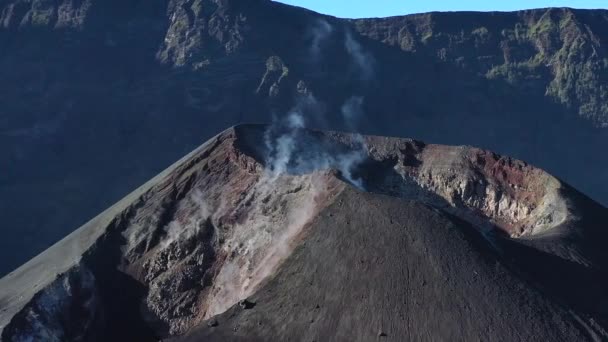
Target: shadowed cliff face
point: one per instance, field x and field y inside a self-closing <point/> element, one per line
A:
<point x="558" y="52"/>
<point x="91" y="107"/>
<point x="276" y="232"/>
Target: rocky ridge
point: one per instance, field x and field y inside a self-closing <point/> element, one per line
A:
<point x="215" y="228"/>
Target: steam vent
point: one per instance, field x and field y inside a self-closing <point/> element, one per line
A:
<point x="269" y="233"/>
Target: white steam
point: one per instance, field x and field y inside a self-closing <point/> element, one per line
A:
<point x="352" y="112"/>
<point x="284" y="198"/>
<point x="362" y="60"/>
<point x="320" y="33"/>
<point x="287" y="196"/>
<point x="176" y="231"/>
<point x="282" y="147"/>
<point x="291" y="151"/>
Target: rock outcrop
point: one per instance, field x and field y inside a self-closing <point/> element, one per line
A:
<point x="275" y="233"/>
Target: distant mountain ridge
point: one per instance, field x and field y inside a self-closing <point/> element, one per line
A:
<point x="98" y="96"/>
<point x="558" y="52"/>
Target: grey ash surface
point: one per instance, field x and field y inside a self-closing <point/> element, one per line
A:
<point x="380" y="268"/>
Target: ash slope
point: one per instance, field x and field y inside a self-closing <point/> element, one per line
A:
<point x="445" y="243"/>
<point x="380" y="268"/>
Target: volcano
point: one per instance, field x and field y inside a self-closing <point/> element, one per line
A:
<point x="275" y="233"/>
<point x="98" y="96"/>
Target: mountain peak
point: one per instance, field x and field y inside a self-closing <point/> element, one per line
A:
<point x="217" y="226"/>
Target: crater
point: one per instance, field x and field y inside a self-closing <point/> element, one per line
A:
<point x="491" y="191"/>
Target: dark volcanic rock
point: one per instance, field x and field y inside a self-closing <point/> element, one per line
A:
<point x="98" y="96"/>
<point x="325" y="236"/>
<point x="469" y="294"/>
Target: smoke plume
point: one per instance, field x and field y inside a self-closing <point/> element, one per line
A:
<point x="176" y="231"/>
<point x="288" y="193"/>
<point x="363" y="61"/>
<point x="352" y="112"/>
<point x="292" y="189"/>
<point x="320" y="32"/>
<point x="291" y="151"/>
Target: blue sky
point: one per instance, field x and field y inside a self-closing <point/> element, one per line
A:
<point x="384" y="8"/>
